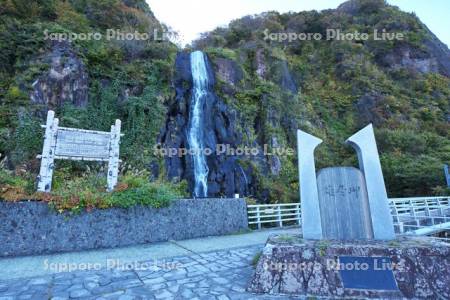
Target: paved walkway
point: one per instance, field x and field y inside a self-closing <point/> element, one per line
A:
<point x="208" y="268"/>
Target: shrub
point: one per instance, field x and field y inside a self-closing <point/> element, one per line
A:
<point x="88" y="192"/>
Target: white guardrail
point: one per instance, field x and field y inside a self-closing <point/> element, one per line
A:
<point x="426" y="215"/>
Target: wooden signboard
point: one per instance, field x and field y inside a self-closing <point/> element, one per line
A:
<point x="78" y="144"/>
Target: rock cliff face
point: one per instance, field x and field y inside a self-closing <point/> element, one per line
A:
<point x="226" y="176"/>
<point x="66" y="81"/>
<point x="332" y="88"/>
<point x="264" y="91"/>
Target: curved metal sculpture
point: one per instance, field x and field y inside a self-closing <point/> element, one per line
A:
<point x="311" y="222"/>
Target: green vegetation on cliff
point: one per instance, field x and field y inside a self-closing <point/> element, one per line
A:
<point x="329" y="88"/>
<point x="333" y="88"/>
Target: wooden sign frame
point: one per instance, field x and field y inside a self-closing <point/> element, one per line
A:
<point x="78" y="144"/>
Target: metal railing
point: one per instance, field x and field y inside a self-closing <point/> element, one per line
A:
<point x="273" y="215"/>
<point x="409" y="214"/>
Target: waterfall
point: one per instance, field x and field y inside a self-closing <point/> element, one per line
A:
<point x="195" y="131"/>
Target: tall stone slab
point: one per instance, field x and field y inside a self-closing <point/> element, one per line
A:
<point x="344" y="206"/>
<point x="311" y="220"/>
<point x="369" y="163"/>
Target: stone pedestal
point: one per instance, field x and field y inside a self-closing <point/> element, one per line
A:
<point x="408" y="267"/>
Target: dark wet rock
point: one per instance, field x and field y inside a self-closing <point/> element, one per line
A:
<point x="275" y="165"/>
<point x="369" y="111"/>
<point x="154" y="170"/>
<point x="261" y="67"/>
<point x="440" y="52"/>
<point x="411" y="59"/>
<point x="225" y="177"/>
<point x="283" y="76"/>
<point x="65" y="82"/>
<point x="228" y="71"/>
<point x="354" y="7"/>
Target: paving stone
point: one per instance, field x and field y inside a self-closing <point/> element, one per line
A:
<point x="208" y="297"/>
<point x="38" y="281"/>
<point x="154" y="280"/>
<point x="203" y="284"/>
<point x="140" y="291"/>
<point x="187" y="293"/>
<point x="153" y="275"/>
<point x="190" y="279"/>
<point x="175" y="275"/>
<point x="174" y="289"/>
<point x="65" y="282"/>
<point x="163" y="294"/>
<point x="219" y="290"/>
<point x="90" y="285"/>
<point x="93" y="277"/>
<point x="220" y="280"/>
<point x="126" y="297"/>
<point x="79" y="293"/>
<point x="74" y="287"/>
<point x="157" y="286"/>
<point x="104" y="281"/>
<point x="40" y="295"/>
<point x="237" y="288"/>
<point x="223" y="276"/>
<point x="114" y="295"/>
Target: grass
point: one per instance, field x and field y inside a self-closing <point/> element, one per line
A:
<point x="88" y="192"/>
<point x="285" y="238"/>
<point x="242" y="231"/>
<point x="256" y="258"/>
<point x="323" y="246"/>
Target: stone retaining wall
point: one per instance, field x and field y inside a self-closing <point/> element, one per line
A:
<point x="30" y="228"/>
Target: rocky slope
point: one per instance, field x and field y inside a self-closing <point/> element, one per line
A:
<point x="88" y="81"/>
<point x="332" y="88"/>
<point x="264" y="90"/>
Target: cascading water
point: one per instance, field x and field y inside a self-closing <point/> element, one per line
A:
<point x="195" y="131"/>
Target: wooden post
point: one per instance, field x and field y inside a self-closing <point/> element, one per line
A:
<point x="113" y="163"/>
<point x="298" y="214"/>
<point x="48" y="153"/>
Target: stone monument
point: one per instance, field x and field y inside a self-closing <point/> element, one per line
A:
<point x="344" y="207"/>
<point x="349" y="248"/>
<point x="370" y="202"/>
<point x="78" y="144"/>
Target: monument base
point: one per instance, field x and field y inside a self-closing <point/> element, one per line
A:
<point x="408" y="267"/>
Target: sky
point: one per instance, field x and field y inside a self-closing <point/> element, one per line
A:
<point x="192" y="17"/>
